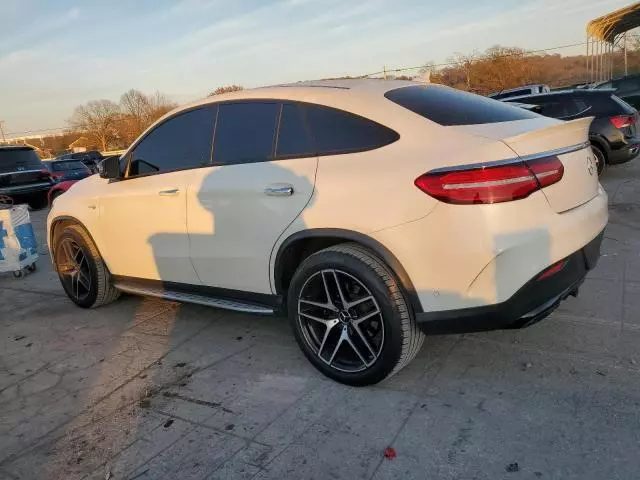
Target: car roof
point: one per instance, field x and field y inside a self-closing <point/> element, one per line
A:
<point x="15" y="147"/>
<point x="361" y="96"/>
<point x="560" y="93"/>
<point x="308" y="90"/>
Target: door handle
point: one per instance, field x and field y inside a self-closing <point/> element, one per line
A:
<point x="169" y="192"/>
<point x="279" y="190"/>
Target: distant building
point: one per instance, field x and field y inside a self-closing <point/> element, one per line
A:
<point x="80" y="145"/>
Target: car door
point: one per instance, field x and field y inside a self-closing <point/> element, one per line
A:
<point x="262" y="178"/>
<point x="144" y="215"/>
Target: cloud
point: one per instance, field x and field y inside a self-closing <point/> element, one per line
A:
<point x="36" y="30"/>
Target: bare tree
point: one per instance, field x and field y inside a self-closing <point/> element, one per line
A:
<point x="98" y="120"/>
<point x="465" y="63"/>
<point x="139" y="111"/>
<point x="226" y="89"/>
<point x="135" y="106"/>
<point x="159" y="105"/>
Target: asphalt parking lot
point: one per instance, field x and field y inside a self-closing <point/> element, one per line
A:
<point x="152" y="389"/>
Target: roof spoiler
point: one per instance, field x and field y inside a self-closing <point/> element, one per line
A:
<point x="552" y="137"/>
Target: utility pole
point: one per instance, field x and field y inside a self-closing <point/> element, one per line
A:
<point x="626" y="70"/>
<point x="384" y="71"/>
<point x="4" y="139"/>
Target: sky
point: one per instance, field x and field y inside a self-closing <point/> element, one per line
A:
<point x="56" y="55"/>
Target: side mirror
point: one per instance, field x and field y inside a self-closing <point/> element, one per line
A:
<point x="110" y="168"/>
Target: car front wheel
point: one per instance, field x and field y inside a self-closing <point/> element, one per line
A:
<point x="82" y="272"/>
<point x="350" y="317"/>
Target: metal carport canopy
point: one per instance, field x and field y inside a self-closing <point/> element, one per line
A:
<point x="608" y="27"/>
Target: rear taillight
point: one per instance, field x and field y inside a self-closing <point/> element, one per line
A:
<point x="621" y="121"/>
<point x="552" y="270"/>
<point x="491" y="184"/>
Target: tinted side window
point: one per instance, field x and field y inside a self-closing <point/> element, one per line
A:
<point x="553" y="108"/>
<point x="448" y="106"/>
<point x="336" y="131"/>
<point x="580" y="107"/>
<point x="293" y="135"/>
<point x="181" y="142"/>
<point x="245" y="133"/>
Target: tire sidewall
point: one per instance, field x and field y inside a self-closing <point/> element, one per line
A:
<point x="393" y="337"/>
<point x="80" y="241"/>
<point x="602" y="161"/>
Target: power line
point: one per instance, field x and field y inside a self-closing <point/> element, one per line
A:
<point x="385" y="71"/>
<point x="525" y="52"/>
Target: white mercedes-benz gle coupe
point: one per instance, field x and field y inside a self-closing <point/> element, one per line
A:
<point x="369" y="212"/>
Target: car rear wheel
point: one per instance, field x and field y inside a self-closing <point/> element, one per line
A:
<point x="601" y="159"/>
<point x="82" y="272"/>
<point x="350" y="317"/>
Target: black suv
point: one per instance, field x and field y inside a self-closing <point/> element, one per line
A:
<point x="614" y="133"/>
<point x="627" y="88"/>
<point x="23" y="177"/>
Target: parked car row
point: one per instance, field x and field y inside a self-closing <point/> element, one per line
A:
<point x="25" y="178"/>
<point x="614" y="133"/>
<point x="91" y="158"/>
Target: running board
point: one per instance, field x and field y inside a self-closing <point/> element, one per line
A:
<point x="235" y="305"/>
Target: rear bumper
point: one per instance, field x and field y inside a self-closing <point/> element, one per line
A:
<point x="624" y="154"/>
<point x="530" y="304"/>
<point x="26" y="189"/>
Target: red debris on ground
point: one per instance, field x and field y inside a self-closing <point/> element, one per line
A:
<point x="389" y="453"/>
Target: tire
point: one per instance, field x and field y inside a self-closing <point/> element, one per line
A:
<point x="392" y="336"/>
<point x="38" y="202"/>
<point x="96" y="283"/>
<point x="601" y="158"/>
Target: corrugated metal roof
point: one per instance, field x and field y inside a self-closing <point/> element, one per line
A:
<point x="609" y="26"/>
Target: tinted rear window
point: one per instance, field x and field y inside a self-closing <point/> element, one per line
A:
<point x="562" y="106"/>
<point x="448" y="106"/>
<point x="623" y="105"/>
<point x="19" y="157"/>
<point x="336" y="131"/>
<point x="67" y="165"/>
